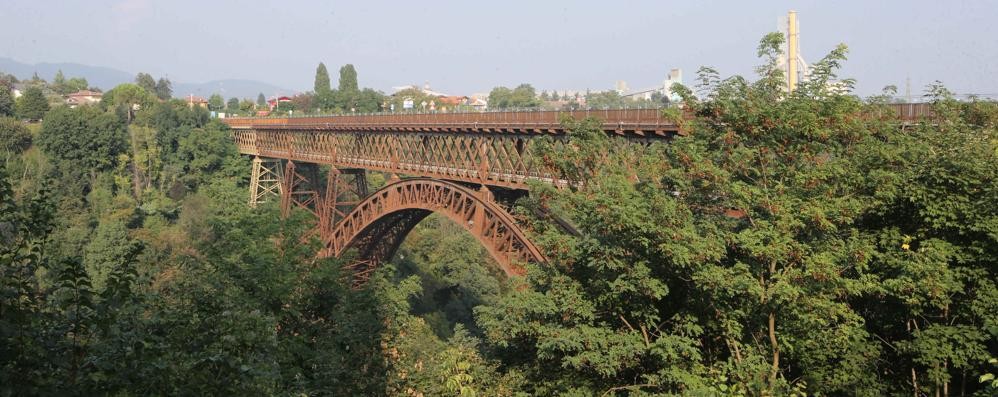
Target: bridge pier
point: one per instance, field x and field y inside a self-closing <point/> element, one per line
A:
<point x="344" y="189"/>
<point x="265" y="180"/>
<point x="298" y="185"/>
<point x="299" y="191"/>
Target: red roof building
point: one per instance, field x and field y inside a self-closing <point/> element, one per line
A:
<point x="273" y="102"/>
<point x="193" y="101"/>
<point x="84" y="97"/>
<point x="453" y="100"/>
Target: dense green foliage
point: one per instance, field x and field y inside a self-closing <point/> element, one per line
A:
<point x="522" y="97"/>
<point x="785" y="244"/>
<point x="232" y="105"/>
<point x="109" y="290"/>
<point x="6" y="100"/>
<point x="83" y="139"/>
<point x="613" y="100"/>
<point x="216" y="102"/>
<point x="146" y="81"/>
<point x="32" y="105"/>
<point x="126" y="99"/>
<point x="14" y="136"/>
<point x="162" y="88"/>
<point x="789" y="243"/>
<point x="60" y="85"/>
<point x="155" y="312"/>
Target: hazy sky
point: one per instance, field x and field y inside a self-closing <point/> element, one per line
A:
<point x="466" y="46"/>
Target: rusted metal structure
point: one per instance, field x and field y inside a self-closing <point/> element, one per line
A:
<point x="621" y="121"/>
<point x="494" y="149"/>
<point x="454" y="162"/>
<point x="458" y="163"/>
<point x="377" y="225"/>
<point x="265" y="179"/>
<point x="910" y="112"/>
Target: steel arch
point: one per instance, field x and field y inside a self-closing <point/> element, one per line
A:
<point x="377" y="225"/>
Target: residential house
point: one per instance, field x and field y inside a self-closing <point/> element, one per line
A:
<point x="479" y="102"/>
<point x="83" y="97"/>
<point x="193" y="101"/>
<point x="454" y="101"/>
<point x="445" y="102"/>
<point x="274" y="102"/>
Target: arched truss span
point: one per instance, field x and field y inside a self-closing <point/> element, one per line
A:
<point x="377" y="225"/>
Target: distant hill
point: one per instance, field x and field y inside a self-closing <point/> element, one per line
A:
<point x="106" y="78"/>
<point x="97" y="76"/>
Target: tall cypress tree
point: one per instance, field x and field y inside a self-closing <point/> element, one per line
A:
<point x="59" y="83"/>
<point x="348" y="78"/>
<point x="348" y="94"/>
<point x="164" y="88"/>
<point x="321" y="79"/>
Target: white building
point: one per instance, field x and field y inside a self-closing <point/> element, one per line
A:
<point x="17" y="90"/>
<point x="425" y="89"/>
<point x="675" y="76"/>
<point x="621" y="87"/>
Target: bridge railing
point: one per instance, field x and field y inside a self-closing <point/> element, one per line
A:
<point x="540" y="118"/>
<point x="537" y="118"/>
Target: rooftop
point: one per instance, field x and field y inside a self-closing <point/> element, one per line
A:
<point x="83" y="93"/>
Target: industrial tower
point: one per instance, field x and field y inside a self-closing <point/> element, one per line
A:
<point x="795" y="68"/>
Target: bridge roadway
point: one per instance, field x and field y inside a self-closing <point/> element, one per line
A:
<point x="488" y="148"/>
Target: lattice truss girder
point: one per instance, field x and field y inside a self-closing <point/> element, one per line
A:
<point x="491" y="159"/>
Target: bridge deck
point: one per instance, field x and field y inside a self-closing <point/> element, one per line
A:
<point x="632" y="121"/>
<point x="491" y="148"/>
